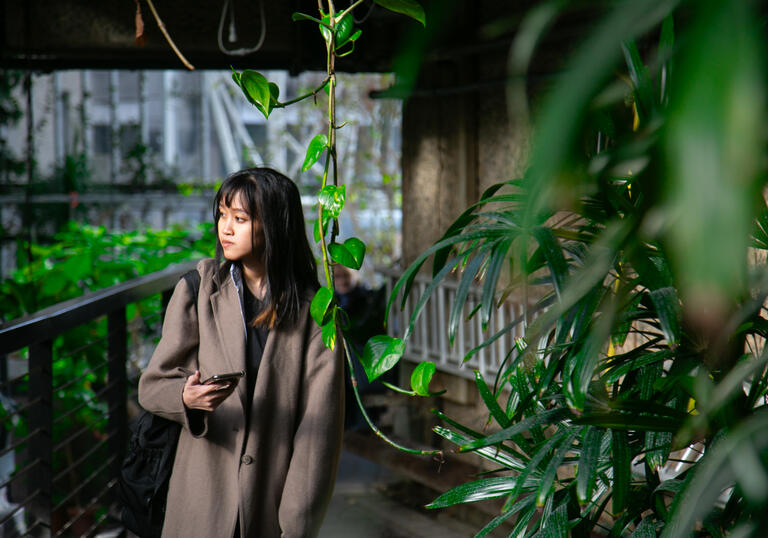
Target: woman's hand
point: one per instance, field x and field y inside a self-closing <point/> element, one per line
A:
<point x="205" y="397"/>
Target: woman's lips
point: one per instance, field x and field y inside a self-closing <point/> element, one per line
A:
<point x="225" y="244"/>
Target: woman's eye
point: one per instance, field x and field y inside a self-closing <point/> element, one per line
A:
<point x="240" y="219"/>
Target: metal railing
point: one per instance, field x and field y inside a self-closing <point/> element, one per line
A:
<point x="64" y="414"/>
<point x="429" y="340"/>
<point x="65" y="470"/>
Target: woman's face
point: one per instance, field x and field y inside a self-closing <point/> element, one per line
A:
<point x="240" y="234"/>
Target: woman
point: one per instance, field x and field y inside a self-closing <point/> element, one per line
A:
<point x="256" y="457"/>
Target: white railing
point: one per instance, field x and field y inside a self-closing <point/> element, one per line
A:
<point x="429" y="340"/>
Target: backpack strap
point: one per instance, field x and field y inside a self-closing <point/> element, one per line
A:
<point x="193" y="281"/>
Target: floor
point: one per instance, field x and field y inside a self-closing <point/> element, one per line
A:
<point x="370" y="501"/>
<point x="363" y="506"/>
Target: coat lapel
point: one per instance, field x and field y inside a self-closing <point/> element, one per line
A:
<point x="229" y="324"/>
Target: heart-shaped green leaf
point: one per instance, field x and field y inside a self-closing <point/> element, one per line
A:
<point x="411" y="8"/>
<point x="257" y="89"/>
<point x="332" y="198"/>
<point x="343" y="29"/>
<point x="421" y="377"/>
<point x="349" y="254"/>
<point x="325" y="28"/>
<point x="329" y="331"/>
<point x="274" y="93"/>
<point x="319" y="308"/>
<point x="255" y="85"/>
<point x="314" y="151"/>
<point x="380" y="354"/>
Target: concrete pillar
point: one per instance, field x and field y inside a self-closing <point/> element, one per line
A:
<point x="114" y="124"/>
<point x="439" y="158"/>
<point x="87" y="132"/>
<point x="460" y="135"/>
<point x="205" y="127"/>
<point x="59" y="145"/>
<point x="143" y="109"/>
<point x="169" y="120"/>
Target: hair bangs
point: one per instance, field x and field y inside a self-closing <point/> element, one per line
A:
<point x="242" y="187"/>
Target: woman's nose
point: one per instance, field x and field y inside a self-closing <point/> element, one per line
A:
<point x="227" y="228"/>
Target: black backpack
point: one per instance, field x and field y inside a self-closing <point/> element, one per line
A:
<point x="146" y="471"/>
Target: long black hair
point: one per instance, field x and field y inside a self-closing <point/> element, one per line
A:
<point x="291" y="270"/>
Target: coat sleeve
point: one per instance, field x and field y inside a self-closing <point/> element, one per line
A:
<point x="316" y="444"/>
<point x="174" y="359"/>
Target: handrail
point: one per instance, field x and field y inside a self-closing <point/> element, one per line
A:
<point x="56" y="319"/>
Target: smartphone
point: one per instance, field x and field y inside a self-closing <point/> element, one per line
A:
<point x="222" y="378"/>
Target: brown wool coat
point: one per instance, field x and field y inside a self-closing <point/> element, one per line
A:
<point x="279" y="477"/>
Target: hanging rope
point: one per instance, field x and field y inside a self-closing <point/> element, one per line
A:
<point x="233" y="33"/>
<point x="168" y="36"/>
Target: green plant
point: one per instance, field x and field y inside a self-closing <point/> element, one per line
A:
<point x="338" y="33"/>
<point x="644" y="328"/>
<point x="73" y="175"/>
<point x="137" y="164"/>
<point x="366" y="157"/>
<point x="86" y="258"/>
<point x="143" y="168"/>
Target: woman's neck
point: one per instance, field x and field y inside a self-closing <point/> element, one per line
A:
<point x="255" y="276"/>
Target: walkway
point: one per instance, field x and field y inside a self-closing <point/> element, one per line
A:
<point x="363" y="507"/>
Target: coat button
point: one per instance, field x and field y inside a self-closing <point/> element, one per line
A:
<point x="246" y="459"/>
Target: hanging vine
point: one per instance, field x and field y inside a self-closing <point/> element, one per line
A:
<point x="382" y="352"/>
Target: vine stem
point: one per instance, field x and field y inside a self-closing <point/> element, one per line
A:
<point x="395" y="388"/>
<point x="323" y="248"/>
<point x="376" y="430"/>
<point x="168" y="37"/>
<point x="302" y="97"/>
<point x="330" y="69"/>
<point x="344" y="13"/>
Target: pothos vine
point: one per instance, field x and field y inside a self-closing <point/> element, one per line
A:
<point x="382" y="352"/>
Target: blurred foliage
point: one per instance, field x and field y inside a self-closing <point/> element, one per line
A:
<point x="86" y="258"/>
<point x="10" y="114"/>
<point x="635" y="405"/>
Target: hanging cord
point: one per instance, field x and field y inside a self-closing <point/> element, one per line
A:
<point x="233" y="34"/>
<point x="365" y="17"/>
